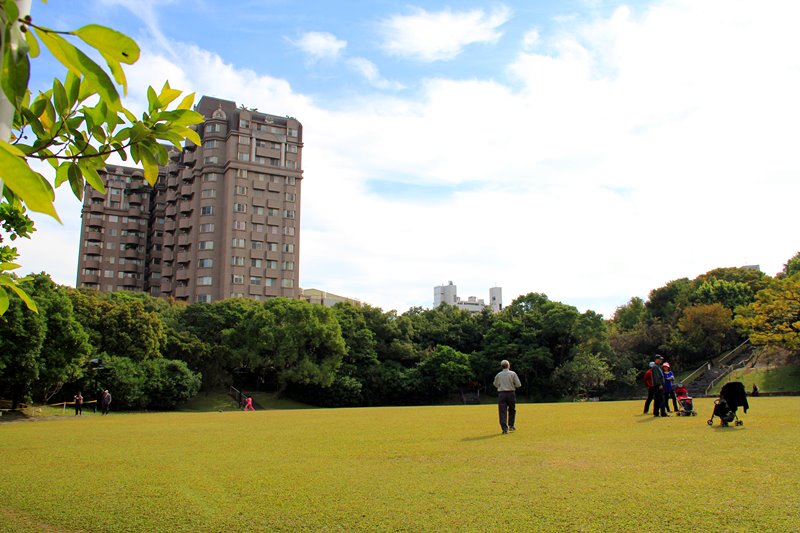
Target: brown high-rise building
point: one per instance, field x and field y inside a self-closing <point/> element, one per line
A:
<point x="223" y="220"/>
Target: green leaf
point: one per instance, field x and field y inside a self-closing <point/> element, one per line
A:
<point x="29" y="186"/>
<point x="168" y="94"/>
<point x="15" y="73"/>
<point x="72" y="84"/>
<point x="33" y="44"/>
<point x="62" y="173"/>
<point x="60" y="97"/>
<point x="187" y="102"/>
<point x="3" y="301"/>
<point x="9" y="282"/>
<point x="95" y="79"/>
<point x="110" y="43"/>
<point x="150" y="166"/>
<point x="76" y="181"/>
<point x="89" y="171"/>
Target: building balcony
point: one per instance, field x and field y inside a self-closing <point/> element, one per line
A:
<point x="135" y="198"/>
<point x="92" y="263"/>
<point x="130" y="282"/>
<point x="90" y="278"/>
<point x="133" y="224"/>
<point x="185" y="206"/>
<point x="181" y="292"/>
<point x="181" y="274"/>
<point x="169" y="225"/>
<point x="94" y="236"/>
<point x="166" y="271"/>
<point x="187" y="190"/>
<point x="167" y="254"/>
<point x="185" y="223"/>
<point x="183" y="239"/>
<point x="130" y="253"/>
<point x="183" y="257"/>
<point x="131" y="239"/>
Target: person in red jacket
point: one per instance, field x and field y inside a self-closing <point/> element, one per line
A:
<point x="648" y="382"/>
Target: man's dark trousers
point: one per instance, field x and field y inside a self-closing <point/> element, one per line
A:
<point x="507" y="406"/>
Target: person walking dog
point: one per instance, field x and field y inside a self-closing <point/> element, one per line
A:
<point x="507" y="382"/>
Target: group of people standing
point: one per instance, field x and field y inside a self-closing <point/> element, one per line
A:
<point x="660" y="383"/>
<point x="104" y="401"/>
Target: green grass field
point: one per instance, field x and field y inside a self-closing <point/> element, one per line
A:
<point x="769" y="379"/>
<point x="569" y="467"/>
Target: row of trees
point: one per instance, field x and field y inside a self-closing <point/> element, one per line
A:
<point x="156" y="353"/>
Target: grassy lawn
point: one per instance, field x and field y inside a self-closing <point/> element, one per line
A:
<point x="574" y="467"/>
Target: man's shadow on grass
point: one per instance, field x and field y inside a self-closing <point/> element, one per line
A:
<point x="482" y="437"/>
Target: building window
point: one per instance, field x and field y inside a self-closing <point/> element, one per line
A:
<point x="238" y="243"/>
<point x="244" y="123"/>
<point x="258" y="228"/>
<point x="245" y="140"/>
<point x="239" y="225"/>
<point x="212" y="176"/>
<point x="258" y="210"/>
<point x="239" y="208"/>
<point x="237" y="295"/>
<point x="257" y="245"/>
<point x="273" y="212"/>
<point x="290" y="196"/>
<point x="288" y="230"/>
<point x="205" y="245"/>
<point x="270" y="282"/>
<point x="203" y="298"/>
<point x="206" y="228"/>
<point x="292" y="148"/>
<point x="237" y="260"/>
<point x="288" y="213"/>
<point x="255" y="280"/>
<point x="272" y="246"/>
<point x="238" y="279"/>
<point x="205" y="263"/>
<point x="287" y="283"/>
<point x="241" y="189"/>
<point x="255" y="263"/>
<point x="292" y="132"/>
<point x="269" y="263"/>
<point x="213" y="128"/>
<point x="204" y="280"/>
<point x="211" y="144"/>
<point x="241" y="172"/>
<point x="243" y="156"/>
<point x="108" y="273"/>
<point x="211" y="160"/>
<point x="289" y="180"/>
<point x="288" y="248"/>
<point x="288" y="265"/>
<point x="208" y="193"/>
<point x="207" y="210"/>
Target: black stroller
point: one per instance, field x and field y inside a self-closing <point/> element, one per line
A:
<point x="731" y="397"/>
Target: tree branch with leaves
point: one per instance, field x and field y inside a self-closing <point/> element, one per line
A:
<point x="74" y="126"/>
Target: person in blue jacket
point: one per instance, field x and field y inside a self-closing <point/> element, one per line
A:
<point x="669" y="387"/>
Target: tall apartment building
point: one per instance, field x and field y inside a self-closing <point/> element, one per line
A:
<point x="448" y="294"/>
<point x="223" y="220"/>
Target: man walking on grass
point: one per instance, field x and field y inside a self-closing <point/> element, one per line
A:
<point x="507" y="382"/>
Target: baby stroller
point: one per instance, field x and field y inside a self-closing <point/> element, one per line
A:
<point x="685" y="401"/>
<point x="731" y="397"/>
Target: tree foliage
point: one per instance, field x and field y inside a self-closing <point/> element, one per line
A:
<point x="774" y="318"/>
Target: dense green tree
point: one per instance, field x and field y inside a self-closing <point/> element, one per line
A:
<point x="445" y="325"/>
<point x="730" y="294"/>
<point x="666" y="303"/>
<point x="791" y="267"/>
<point x="65" y="350"/>
<point x="298" y="342"/>
<point x="584" y="373"/>
<point x="705" y="332"/>
<point x="22" y="334"/>
<point x="442" y="371"/>
<point x="630" y="316"/>
<point x="774" y="318"/>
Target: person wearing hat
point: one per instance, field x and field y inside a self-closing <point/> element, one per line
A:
<point x="669" y="389"/>
<point x="659" y="403"/>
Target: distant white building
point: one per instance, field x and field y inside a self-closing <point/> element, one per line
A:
<point x="447" y="294"/>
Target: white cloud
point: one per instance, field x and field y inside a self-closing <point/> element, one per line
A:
<point x="320" y="45"/>
<point x="627" y="152"/>
<point x="369" y="71"/>
<point x="436" y="36"/>
<point x="530" y="39"/>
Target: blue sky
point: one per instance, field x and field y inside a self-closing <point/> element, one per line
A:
<point x="589" y="150"/>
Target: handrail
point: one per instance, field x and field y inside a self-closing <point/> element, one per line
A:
<point x="718" y="360"/>
<point x="728" y="371"/>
